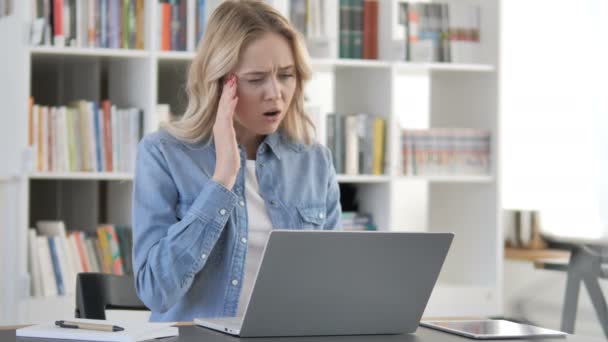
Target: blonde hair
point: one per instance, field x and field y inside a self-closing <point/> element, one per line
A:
<point x="231" y="27"/>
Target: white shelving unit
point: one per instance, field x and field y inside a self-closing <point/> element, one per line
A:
<point x="408" y="95"/>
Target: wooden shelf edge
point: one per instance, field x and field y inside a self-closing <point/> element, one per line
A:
<point x="535" y="255"/>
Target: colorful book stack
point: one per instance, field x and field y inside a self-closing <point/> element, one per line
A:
<point x="84" y="136"/>
<point x="56" y="256"/>
<point x="117" y="24"/>
<point x="358" y="27"/>
<point x="436" y="32"/>
<point x="353" y="221"/>
<point x="446" y="151"/>
<point x="357" y="143"/>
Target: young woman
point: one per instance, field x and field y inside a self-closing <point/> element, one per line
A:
<point x="209" y="187"/>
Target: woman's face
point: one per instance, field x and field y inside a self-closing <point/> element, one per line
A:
<point x="266" y="82"/>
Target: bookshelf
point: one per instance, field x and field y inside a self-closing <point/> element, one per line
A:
<point x="411" y="95"/>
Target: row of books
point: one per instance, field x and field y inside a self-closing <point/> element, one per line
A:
<point x="357" y="143"/>
<point x="358" y="29"/>
<point x="84" y="137"/>
<point x="353" y="221"/>
<point x="55" y="256"/>
<point x="88" y="23"/>
<point x="173" y="24"/>
<point x="307" y="16"/>
<point x="446" y="151"/>
<point x="436" y="32"/>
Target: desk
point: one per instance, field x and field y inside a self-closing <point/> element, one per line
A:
<point x="199" y="334"/>
<point x="535" y="254"/>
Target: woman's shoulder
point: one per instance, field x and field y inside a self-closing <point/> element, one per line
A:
<point x="162" y="139"/>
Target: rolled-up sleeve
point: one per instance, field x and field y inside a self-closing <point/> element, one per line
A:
<point x="168" y="252"/>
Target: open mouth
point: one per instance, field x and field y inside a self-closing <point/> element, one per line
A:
<point x="272" y="113"/>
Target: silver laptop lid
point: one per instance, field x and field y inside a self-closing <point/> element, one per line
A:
<point x="343" y="283"/>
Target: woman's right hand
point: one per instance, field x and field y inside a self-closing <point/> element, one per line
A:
<point x="227" y="158"/>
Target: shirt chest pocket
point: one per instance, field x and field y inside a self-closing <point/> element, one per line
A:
<point x="311" y="216"/>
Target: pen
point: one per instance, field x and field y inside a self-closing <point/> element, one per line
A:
<point x="88" y="326"/>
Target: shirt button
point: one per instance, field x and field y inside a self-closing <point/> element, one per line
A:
<point x="261" y="164"/>
<point x="273" y="202"/>
<point x="242" y="203"/>
<point x="321" y="215"/>
<point x="235" y="282"/>
<point x="243" y="240"/>
<point x="204" y="256"/>
<point x="222" y="212"/>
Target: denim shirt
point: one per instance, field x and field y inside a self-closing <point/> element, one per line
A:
<point x="190" y="232"/>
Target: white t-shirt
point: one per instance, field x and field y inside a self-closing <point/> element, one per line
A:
<point x="259" y="228"/>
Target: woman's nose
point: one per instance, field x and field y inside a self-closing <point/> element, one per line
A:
<point x="273" y="90"/>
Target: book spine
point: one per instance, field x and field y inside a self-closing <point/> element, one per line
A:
<point x="200" y="20"/>
<point x="139" y="24"/>
<point x="104" y="250"/>
<point x="344" y="35"/>
<point x="107" y="134"/>
<point x="330" y="132"/>
<point x="98" y="137"/>
<point x="36" y="288"/>
<point x="116" y="262"/>
<point x="79" y="243"/>
<point x="58" y="34"/>
<point x="174" y="25"/>
<point x="183" y="25"/>
<point x="45" y="258"/>
<point x="53" y="247"/>
<point x="356" y="28"/>
<point x="351" y="142"/>
<point x="379" y="139"/>
<point x="339" y="143"/>
<point x="165" y="26"/>
<point x="125" y="36"/>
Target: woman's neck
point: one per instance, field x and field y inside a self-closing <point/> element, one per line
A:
<point x="251" y="142"/>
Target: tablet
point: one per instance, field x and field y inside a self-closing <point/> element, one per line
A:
<point x="491" y="329"/>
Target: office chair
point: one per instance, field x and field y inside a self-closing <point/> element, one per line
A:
<point x="96" y="292"/>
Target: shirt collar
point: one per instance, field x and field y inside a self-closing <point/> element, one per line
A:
<point x="277" y="142"/>
<point x="280" y="144"/>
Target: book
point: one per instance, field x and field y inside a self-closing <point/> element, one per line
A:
<point x="36" y="289"/>
<point x="125" y="244"/>
<point x="61" y="254"/>
<point x="133" y="331"/>
<point x="370" y="29"/>
<point x="47" y="275"/>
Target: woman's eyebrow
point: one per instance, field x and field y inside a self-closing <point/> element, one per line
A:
<point x="262" y="72"/>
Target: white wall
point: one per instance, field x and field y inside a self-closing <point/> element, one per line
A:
<point x="553" y="91"/>
<point x="554" y="110"/>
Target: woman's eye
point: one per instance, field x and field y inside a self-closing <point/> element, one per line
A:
<point x="286" y="75"/>
<point x="256" y="80"/>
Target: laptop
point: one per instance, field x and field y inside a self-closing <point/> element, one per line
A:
<point x="313" y="283"/>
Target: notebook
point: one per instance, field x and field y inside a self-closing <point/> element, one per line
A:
<point x="134" y="331"/>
